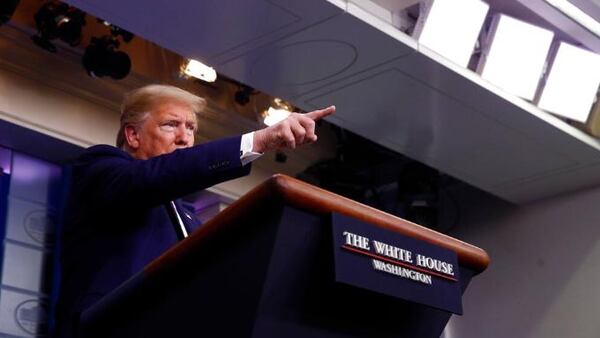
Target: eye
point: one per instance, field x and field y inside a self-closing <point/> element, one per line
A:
<point x="169" y="125"/>
<point x="190" y="127"/>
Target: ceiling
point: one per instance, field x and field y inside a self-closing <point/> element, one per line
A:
<point x="386" y="87"/>
<point x="591" y="7"/>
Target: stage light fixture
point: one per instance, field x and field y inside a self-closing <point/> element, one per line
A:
<point x="102" y="59"/>
<point x="199" y="71"/>
<point x="58" y="20"/>
<point x="572" y="83"/>
<point x="7" y="9"/>
<point x="439" y="29"/>
<point x="117" y="31"/>
<point x="242" y="95"/>
<point x="514" y="55"/>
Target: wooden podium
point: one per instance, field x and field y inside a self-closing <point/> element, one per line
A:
<point x="264" y="268"/>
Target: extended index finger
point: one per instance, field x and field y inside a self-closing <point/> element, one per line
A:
<point x="321" y="113"/>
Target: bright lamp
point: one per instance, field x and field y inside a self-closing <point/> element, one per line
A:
<point x="572" y="83"/>
<point x="199" y="70"/>
<point x="515" y="55"/>
<point x="451" y="28"/>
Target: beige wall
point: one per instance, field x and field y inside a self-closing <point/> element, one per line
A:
<point x="54" y="112"/>
<point x="543" y="278"/>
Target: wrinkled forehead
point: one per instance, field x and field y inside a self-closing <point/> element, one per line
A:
<point x="170" y="108"/>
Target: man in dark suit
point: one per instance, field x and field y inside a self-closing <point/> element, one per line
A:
<point x="124" y="210"/>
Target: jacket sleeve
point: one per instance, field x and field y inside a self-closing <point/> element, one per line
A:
<point x="112" y="177"/>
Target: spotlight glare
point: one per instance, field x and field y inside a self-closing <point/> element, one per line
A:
<point x="199" y="70"/>
<point x="440" y="30"/>
<point x="275" y="115"/>
<point x="516" y="56"/>
<point x="572" y="84"/>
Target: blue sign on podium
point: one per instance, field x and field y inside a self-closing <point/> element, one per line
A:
<point x="384" y="261"/>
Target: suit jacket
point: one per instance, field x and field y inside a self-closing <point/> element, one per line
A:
<point x="116" y="221"/>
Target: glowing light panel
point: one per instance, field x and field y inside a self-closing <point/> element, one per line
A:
<point x="572" y="83"/>
<point x="451" y="28"/>
<point x="516" y="55"/>
<point x="200" y="71"/>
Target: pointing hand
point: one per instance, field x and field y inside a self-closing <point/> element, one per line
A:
<point x="295" y="130"/>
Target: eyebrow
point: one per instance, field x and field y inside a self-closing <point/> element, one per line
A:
<point x="173" y="117"/>
<point x="170" y="119"/>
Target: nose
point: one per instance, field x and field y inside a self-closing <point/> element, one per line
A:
<point x="184" y="137"/>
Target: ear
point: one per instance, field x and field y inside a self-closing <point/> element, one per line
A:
<point x="132" y="137"/>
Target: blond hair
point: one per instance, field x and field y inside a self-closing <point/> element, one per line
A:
<point x="139" y="103"/>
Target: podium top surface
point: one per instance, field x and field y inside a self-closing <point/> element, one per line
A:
<point x="304" y="196"/>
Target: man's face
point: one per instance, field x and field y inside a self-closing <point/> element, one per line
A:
<point x="169" y="127"/>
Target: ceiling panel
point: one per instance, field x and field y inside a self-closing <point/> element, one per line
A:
<point x="315" y="57"/>
<point x="407" y="115"/>
<point x="386" y="87"/>
<point x="500" y="107"/>
<point x="590" y="7"/>
<point x="210" y="30"/>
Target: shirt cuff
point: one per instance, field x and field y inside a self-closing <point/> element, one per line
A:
<point x="246" y="153"/>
